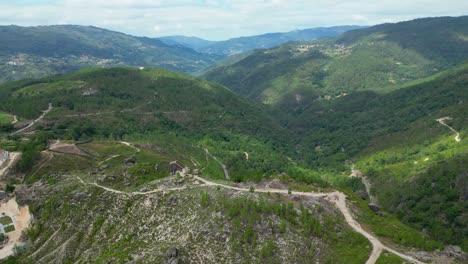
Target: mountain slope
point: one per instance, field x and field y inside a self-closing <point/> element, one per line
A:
<point x="378" y="58"/>
<point x="93" y="103"/>
<point x="415" y="164"/>
<point x="190" y="42"/>
<point x="38" y="51"/>
<point x="242" y="44"/>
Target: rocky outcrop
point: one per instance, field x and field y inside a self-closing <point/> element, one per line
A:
<point x="172" y="256"/>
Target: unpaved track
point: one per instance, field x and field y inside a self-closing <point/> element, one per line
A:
<point x="34" y="121"/>
<point x="366" y="182"/>
<point x="21" y="218"/>
<point x="226" y="172"/>
<point x="110" y="112"/>
<point x="442" y="122"/>
<point x="15" y="120"/>
<point x="336" y="197"/>
<point x="14" y="156"/>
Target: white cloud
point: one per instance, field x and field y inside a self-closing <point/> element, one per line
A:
<point x="223" y="18"/>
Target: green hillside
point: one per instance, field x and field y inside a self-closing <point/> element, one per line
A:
<point x="379" y="58"/>
<point x="27" y="52"/>
<point x="115" y="103"/>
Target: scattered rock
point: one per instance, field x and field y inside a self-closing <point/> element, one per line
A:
<point x="196" y="172"/>
<point x="375" y="208"/>
<point x="172" y="254"/>
<point x="130" y="161"/>
<point x="171" y="200"/>
<point x="105" y="167"/>
<point x="144" y="189"/>
<point x="363" y="194"/>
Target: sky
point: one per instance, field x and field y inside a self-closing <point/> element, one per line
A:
<point x="220" y="19"/>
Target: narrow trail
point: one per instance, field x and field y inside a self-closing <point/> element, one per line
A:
<point x="130" y="145"/>
<point x="335" y="197"/>
<point x="226" y="172"/>
<point x="366" y="182"/>
<point x="44" y="113"/>
<point x="15" y="120"/>
<point x="49" y="158"/>
<point x="442" y="122"/>
<point x="14" y="156"/>
<point x="109" y="112"/>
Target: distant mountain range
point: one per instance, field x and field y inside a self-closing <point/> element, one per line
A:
<point x="33" y="52"/>
<point x="242" y="44"/>
<point x="378" y="58"/>
<point x="39" y="51"/>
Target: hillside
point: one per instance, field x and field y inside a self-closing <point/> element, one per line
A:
<point x="415" y="163"/>
<point x="27" y="52"/>
<point x="379" y="58"/>
<point x="190" y="42"/>
<point x="239" y="45"/>
<point x="94" y="170"/>
<point x="159" y="100"/>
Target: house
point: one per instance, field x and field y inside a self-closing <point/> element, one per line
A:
<point x="4" y="154"/>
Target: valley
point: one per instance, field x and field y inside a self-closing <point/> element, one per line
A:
<point x="345" y="149"/>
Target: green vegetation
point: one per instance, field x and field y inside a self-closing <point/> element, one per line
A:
<point x="5" y="220"/>
<point x="34" y="52"/>
<point x="378" y="58"/>
<point x="9" y="229"/>
<point x="389" y="258"/>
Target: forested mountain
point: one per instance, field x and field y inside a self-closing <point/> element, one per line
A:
<point x="27" y="52"/>
<point x="378" y="58"/>
<point x="243" y="44"/>
<point x="190" y="42"/>
<point x="350" y="149"/>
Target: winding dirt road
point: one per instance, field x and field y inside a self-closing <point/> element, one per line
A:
<point x="34" y="121"/>
<point x="442" y="122"/>
<point x="336" y="197"/>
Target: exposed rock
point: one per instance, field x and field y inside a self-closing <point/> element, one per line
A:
<point x="172" y="254"/>
<point x="130" y="161"/>
<point x="171" y="200"/>
<point x="363" y="194"/>
<point x="375" y="208"/>
<point x="196" y="172"/>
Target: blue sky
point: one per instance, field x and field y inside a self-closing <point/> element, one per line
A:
<point x="220" y="19"/>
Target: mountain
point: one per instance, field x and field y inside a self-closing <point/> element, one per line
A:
<point x="378" y="58"/>
<point x="94" y="173"/>
<point x="190" y="42"/>
<point x="242" y="44"/>
<point x="39" y="51"/>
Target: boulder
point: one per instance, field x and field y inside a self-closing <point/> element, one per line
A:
<point x="363" y="194"/>
<point x="375" y="208"/>
<point x="172" y="255"/>
<point x="130" y="161"/>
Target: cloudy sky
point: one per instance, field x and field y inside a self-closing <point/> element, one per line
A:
<point x="220" y="19"/>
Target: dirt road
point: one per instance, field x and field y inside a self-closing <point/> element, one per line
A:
<point x="335" y="197"/>
<point x="21" y="218"/>
<point x="14" y="156"/>
<point x="34" y="121"/>
<point x="226" y="172"/>
<point x="442" y="122"/>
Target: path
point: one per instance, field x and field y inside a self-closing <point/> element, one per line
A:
<point x="442" y="122"/>
<point x="109" y="112"/>
<point x="365" y="181"/>
<point x="11" y="161"/>
<point x="15" y="120"/>
<point x="34" y="121"/>
<point x="226" y="172"/>
<point x="335" y="197"/>
<point x="21" y="218"/>
<point x="130" y="145"/>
